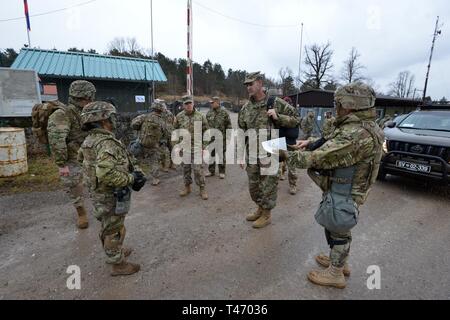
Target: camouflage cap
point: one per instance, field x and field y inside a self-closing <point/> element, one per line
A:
<point x="187" y="99"/>
<point x="355" y="96"/>
<point x="214" y="99"/>
<point x="253" y="76"/>
<point x="82" y="89"/>
<point x="97" y="111"/>
<point x="157" y="105"/>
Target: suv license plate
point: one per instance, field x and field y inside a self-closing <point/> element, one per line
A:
<point x="410" y="166"/>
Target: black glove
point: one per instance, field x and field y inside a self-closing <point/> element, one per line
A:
<point x="139" y="180"/>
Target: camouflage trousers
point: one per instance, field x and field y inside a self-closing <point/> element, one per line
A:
<point x="292" y="175"/>
<point x="198" y="173"/>
<point x="165" y="156"/>
<point x="340" y="247"/>
<point x="212" y="167"/>
<point x="151" y="157"/>
<point x="73" y="184"/>
<point x="263" y="189"/>
<point x="112" y="232"/>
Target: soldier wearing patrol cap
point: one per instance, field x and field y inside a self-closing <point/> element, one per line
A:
<point x="186" y="120"/>
<point x="152" y="129"/>
<point x="65" y="138"/>
<point x="218" y="118"/>
<point x="344" y="165"/>
<point x="258" y="114"/>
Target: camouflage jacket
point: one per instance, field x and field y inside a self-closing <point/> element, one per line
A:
<point x="151" y="126"/>
<point x="106" y="162"/>
<point x="65" y="135"/>
<point x="328" y="127"/>
<point x="307" y="124"/>
<point x="169" y="119"/>
<point x="356" y="141"/>
<point x="219" y="119"/>
<point x="185" y="121"/>
<point x="253" y="115"/>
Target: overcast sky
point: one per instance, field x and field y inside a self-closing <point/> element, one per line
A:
<point x="391" y="35"/>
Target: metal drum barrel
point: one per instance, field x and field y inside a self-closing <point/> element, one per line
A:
<point x="13" y="152"/>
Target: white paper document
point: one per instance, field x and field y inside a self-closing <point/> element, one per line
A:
<point x="275" y="145"/>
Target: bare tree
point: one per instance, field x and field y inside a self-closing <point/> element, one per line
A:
<point x="118" y="45"/>
<point x="318" y="61"/>
<point x="403" y="87"/>
<point x="352" y="68"/>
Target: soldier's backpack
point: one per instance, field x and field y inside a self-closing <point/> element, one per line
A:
<point x="291" y="134"/>
<point x="150" y="134"/>
<point x="39" y="118"/>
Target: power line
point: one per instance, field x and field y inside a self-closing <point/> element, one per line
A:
<point x="243" y="21"/>
<point x="50" y="12"/>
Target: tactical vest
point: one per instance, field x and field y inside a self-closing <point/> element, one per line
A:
<point x="89" y="149"/>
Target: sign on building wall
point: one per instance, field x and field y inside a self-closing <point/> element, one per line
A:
<point x="140" y="99"/>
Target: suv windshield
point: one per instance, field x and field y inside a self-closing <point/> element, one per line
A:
<point x="438" y="121"/>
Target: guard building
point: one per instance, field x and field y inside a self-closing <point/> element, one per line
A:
<point x="126" y="82"/>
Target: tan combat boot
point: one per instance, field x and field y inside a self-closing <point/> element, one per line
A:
<point x="331" y="277"/>
<point x="209" y="174"/>
<point x="186" y="190"/>
<point x="293" y="190"/>
<point x="324" y="261"/>
<point x="222" y="176"/>
<point x="124" y="268"/>
<point x="83" y="221"/>
<point x="254" y="215"/>
<point x="264" y="220"/>
<point x="155" y="182"/>
<point x="203" y="193"/>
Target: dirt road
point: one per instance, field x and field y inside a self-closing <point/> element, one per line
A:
<point x="194" y="249"/>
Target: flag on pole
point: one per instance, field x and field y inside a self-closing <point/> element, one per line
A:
<point x="27" y="16"/>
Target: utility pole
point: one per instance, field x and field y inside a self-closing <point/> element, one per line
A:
<point x="153" y="58"/>
<point x="299" y="66"/>
<point x="436" y="33"/>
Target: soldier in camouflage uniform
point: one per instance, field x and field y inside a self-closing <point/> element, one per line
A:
<point x="344" y="166"/>
<point x="152" y="129"/>
<point x="307" y="125"/>
<point x="328" y="125"/>
<point x="218" y="118"/>
<point x="186" y="120"/>
<point x="109" y="173"/>
<point x="65" y="138"/>
<point x="256" y="115"/>
<point x="166" y="145"/>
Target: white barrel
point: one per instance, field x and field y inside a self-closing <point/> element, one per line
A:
<point x="13" y="152"/>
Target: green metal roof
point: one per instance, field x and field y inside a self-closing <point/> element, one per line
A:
<point x="52" y="63"/>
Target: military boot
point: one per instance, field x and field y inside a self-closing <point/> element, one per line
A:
<point x="124" y="268"/>
<point x="331" y="277"/>
<point x="203" y="193"/>
<point x="324" y="261"/>
<point x="222" y="176"/>
<point x="186" y="190"/>
<point x="293" y="190"/>
<point x="83" y="221"/>
<point x="155" y="182"/>
<point x="254" y="215"/>
<point x="209" y="174"/>
<point x="264" y="220"/>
